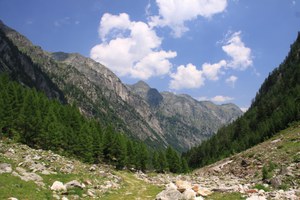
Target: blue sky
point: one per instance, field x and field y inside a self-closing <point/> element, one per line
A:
<point x="219" y="50"/>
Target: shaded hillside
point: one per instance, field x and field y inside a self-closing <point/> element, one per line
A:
<point x="21" y="68"/>
<point x="185" y="121"/>
<point x="276" y="104"/>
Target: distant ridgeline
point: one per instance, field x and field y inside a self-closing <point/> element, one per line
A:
<point x="29" y="117"/>
<point x="276" y="105"/>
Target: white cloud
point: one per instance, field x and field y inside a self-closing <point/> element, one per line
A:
<point x="216" y="99"/>
<point x="111" y="22"/>
<point x="221" y="99"/>
<point x="212" y="71"/>
<point x="187" y="77"/>
<point x="174" y="13"/>
<point x="131" y="48"/>
<point x="203" y="99"/>
<point x="231" y="80"/>
<point x="240" y="54"/>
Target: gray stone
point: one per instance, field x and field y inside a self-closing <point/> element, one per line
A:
<point x="170" y="194"/>
<point x="58" y="186"/>
<point x="73" y="184"/>
<point x="189" y="194"/>
<point x="276" y="182"/>
<point x="5" y="168"/>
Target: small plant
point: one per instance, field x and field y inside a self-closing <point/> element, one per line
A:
<point x="261" y="187"/>
<point x="267" y="171"/>
<point x="284" y="186"/>
<point x="296" y="158"/>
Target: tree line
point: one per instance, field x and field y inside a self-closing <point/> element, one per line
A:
<point x="276" y="105"/>
<point x="29" y="117"/>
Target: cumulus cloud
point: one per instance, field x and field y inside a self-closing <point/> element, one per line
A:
<point x="231" y="80"/>
<point x="216" y="99"/>
<point x="239" y="53"/>
<point x="174" y="13"/>
<point x="186" y="77"/>
<point x="212" y="71"/>
<point x="131" y="48"/>
<point x="221" y="99"/>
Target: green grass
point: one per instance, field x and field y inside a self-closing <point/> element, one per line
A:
<point x="225" y="196"/>
<point x="261" y="187"/>
<point x="132" y="188"/>
<point x="11" y="186"/>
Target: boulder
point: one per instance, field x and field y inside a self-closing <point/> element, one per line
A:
<point x="195" y="188"/>
<point x="58" y="186"/>
<point x="189" y="194"/>
<point x="5" y="168"/>
<point x="182" y="185"/>
<point x="91" y="192"/>
<point x="170" y="194"/>
<point x="73" y="184"/>
<point x="276" y="182"/>
<point x="204" y="192"/>
<point x="171" y="186"/>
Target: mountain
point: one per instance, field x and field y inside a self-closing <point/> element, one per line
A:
<point x="21" y="68"/>
<point x="275" y="107"/>
<point x="98" y="92"/>
<point x="89" y="85"/>
<point x="186" y="121"/>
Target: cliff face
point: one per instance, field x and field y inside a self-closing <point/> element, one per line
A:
<point x="21" y="68"/>
<point x="185" y="121"/>
<point x="159" y="119"/>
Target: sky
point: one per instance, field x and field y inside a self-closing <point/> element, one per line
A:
<point x="217" y="50"/>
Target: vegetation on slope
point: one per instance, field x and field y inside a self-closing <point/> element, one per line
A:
<point x="31" y="118"/>
<point x="275" y="106"/>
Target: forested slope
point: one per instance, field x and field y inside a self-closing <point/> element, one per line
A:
<point x="276" y="104"/>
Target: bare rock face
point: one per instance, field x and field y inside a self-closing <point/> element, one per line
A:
<point x="185" y="121"/>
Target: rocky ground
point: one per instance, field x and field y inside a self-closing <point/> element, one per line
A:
<point x="270" y="170"/>
<point x="54" y="176"/>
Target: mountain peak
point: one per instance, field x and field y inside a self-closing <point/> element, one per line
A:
<point x="141" y="84"/>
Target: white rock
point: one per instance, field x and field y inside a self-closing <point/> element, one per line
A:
<point x="170" y="194"/>
<point x="73" y="184"/>
<point x="256" y="197"/>
<point x="12" y="198"/>
<point x="58" y="186"/>
<point x="189" y="194"/>
<point x="5" y="168"/>
<point x="171" y="186"/>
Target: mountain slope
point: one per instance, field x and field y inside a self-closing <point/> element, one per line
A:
<point x="186" y="121"/>
<point x="275" y="106"/>
<point x="93" y="88"/>
<point x="21" y="68"/>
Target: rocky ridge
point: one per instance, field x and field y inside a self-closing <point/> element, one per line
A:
<point x="189" y="120"/>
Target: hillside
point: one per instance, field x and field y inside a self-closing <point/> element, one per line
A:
<point x="186" y="121"/>
<point x="275" y="106"/>
<point x="32" y="173"/>
<point x="270" y="170"/>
